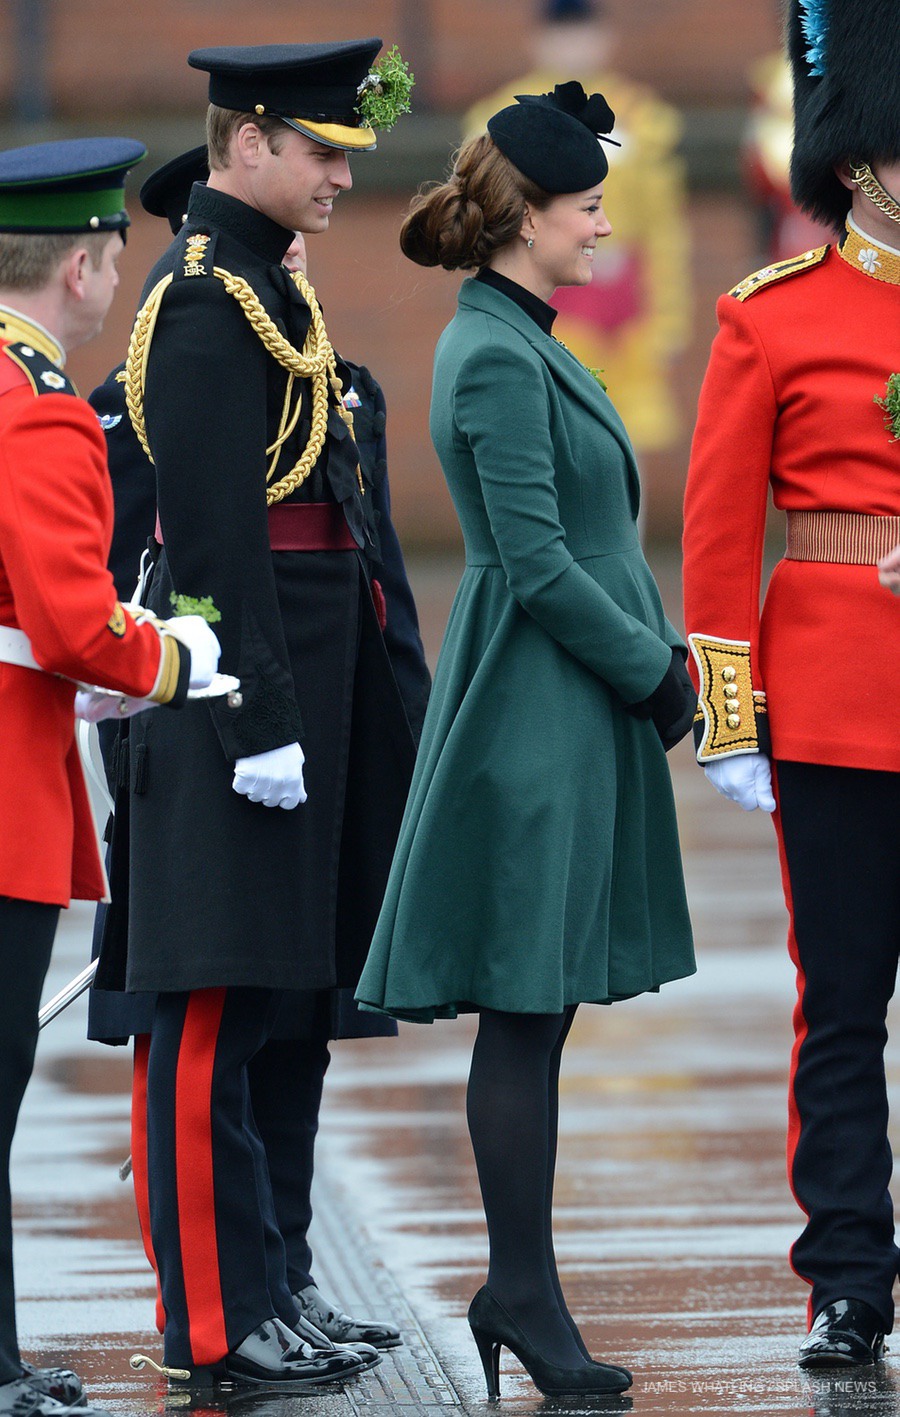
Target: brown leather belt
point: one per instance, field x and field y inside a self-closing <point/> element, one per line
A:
<point x="303" y="526"/>
<point x="844" y="538"/>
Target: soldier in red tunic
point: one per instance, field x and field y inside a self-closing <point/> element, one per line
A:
<point x="799" y="706"/>
<point x="61" y="215"/>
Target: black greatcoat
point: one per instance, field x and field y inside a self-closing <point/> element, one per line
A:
<point x="223" y="891"/>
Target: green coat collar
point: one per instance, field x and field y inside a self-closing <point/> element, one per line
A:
<point x="568" y="370"/>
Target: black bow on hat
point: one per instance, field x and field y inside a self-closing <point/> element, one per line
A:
<point x="553" y="137"/>
<point x="594" y="112"/>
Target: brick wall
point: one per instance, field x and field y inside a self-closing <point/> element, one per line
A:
<point x="107" y="55"/>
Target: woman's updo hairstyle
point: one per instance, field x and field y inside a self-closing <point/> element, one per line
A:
<point x="534" y="149"/>
<point x="461" y="223"/>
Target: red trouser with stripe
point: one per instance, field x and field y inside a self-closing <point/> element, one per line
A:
<point x="837" y="832"/>
<point x="218" y="1255"/>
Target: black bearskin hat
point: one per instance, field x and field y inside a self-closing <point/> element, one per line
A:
<point x="845" y="57"/>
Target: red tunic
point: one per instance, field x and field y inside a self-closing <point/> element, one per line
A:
<point x="788" y="403"/>
<point x="56" y="517"/>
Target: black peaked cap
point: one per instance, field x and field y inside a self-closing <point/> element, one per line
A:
<point x="852" y="110"/>
<point x="554" y="139"/>
<point x="318" y="83"/>
<point x="167" y="190"/>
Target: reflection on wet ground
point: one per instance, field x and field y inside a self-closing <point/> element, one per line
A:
<point x="673" y="1215"/>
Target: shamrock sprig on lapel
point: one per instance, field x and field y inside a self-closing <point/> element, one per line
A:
<point x="594" y="373"/>
<point x="891" y="405"/>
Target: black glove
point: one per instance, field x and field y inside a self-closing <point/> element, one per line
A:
<point x="672" y="704"/>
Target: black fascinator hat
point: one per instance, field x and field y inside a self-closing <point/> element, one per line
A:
<point x="554" y="138"/>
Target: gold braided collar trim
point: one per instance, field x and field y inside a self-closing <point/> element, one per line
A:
<point x="869" y="256"/>
<point x="16" y="328"/>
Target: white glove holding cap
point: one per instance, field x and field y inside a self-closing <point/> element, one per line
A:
<point x="746" y="779"/>
<point x="274" y="778"/>
<point x="195" y="634"/>
<point x="93" y="707"/>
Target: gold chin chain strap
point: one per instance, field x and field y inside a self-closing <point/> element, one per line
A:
<point x="870" y="187"/>
<point x="315" y="362"/>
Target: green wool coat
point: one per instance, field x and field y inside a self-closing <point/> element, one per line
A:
<point x="538" y="862"/>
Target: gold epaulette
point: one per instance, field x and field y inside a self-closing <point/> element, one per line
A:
<point x="731" y="714"/>
<point x="780" y="271"/>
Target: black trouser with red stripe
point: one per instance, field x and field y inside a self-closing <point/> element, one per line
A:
<point x="286" y="1078"/>
<point x="26" y="940"/>
<point x="219" y="1256"/>
<point x="839" y="832"/>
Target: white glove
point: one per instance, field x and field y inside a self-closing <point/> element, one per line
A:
<point x="93" y="706"/>
<point x="746" y="779"/>
<point x="275" y="778"/>
<point x="195" y="634"/>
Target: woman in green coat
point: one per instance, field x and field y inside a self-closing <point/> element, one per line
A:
<point x="538" y="864"/>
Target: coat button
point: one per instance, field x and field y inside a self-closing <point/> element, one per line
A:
<point x="733" y="720"/>
<point x="729" y="674"/>
<point x="732" y="705"/>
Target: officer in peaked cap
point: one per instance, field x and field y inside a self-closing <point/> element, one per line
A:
<point x="62" y="217"/>
<point x="799" y="705"/>
<point x="235" y="392"/>
<point x="313" y="88"/>
<point x="286" y="1076"/>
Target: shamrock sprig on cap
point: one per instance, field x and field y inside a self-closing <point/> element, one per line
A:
<point x="383" y="95"/>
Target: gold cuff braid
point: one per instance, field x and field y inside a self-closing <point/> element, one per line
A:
<point x="728" y="705"/>
<point x="169" y="667"/>
<point x="315" y="362"/>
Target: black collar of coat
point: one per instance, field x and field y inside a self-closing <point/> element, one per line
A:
<point x="542" y="313"/>
<point x="264" y="237"/>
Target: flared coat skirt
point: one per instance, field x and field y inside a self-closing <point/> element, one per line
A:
<point x="538" y="862"/>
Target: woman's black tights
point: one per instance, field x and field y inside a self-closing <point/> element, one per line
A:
<point x="512" y="1107"/>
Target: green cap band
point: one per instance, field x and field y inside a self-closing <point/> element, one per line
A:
<point x="59" y="211"/>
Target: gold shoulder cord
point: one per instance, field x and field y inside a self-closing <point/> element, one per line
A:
<point x="315" y="362"/>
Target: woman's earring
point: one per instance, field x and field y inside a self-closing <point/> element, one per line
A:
<point x="530" y="242"/>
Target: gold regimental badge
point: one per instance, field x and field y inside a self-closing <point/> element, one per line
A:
<point x="117" y="621"/>
<point x="194" y="254"/>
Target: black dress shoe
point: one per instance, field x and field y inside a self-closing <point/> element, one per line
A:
<point x="309" y="1333"/>
<point x="20" y="1399"/>
<point x="60" y="1383"/>
<point x="275" y="1355"/>
<point x="845" y="1334"/>
<point x="343" y="1328"/>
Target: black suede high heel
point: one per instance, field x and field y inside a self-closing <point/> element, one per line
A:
<point x="492" y="1328"/>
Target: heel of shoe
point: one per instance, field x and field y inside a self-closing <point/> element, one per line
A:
<point x="489" y="1353"/>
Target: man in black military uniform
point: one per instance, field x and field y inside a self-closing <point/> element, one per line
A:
<point x="287" y="1075"/>
<point x="233" y="387"/>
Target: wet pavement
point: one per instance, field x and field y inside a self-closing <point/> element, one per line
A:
<point x="673" y="1215"/>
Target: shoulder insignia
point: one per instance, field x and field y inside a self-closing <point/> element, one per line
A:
<point x="780" y="271"/>
<point x="41" y="372"/>
<point x="197" y="257"/>
<point x="117" y="621"/>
